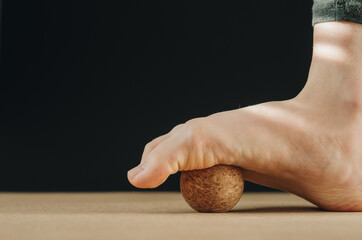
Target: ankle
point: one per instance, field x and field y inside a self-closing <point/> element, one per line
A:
<point x="335" y="76"/>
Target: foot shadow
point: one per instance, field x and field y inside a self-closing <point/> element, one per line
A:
<point x="291" y="209"/>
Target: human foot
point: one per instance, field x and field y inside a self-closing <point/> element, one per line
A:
<point x="284" y="145"/>
<point x="308" y="145"/>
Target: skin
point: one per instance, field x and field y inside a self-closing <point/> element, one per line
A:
<point x="309" y="145"/>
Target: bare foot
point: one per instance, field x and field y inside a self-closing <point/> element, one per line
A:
<point x="309" y="145"/>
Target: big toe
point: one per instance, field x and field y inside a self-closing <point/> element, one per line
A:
<point x="149" y="175"/>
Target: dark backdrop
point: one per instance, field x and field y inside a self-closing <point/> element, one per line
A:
<point x="86" y="84"/>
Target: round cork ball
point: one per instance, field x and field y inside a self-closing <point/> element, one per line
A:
<point x="214" y="189"/>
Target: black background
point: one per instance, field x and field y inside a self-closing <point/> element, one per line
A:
<point x="86" y="84"/>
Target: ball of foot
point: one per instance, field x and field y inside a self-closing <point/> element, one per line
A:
<point x="214" y="189"/>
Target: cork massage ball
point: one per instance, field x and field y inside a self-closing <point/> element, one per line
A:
<point x="214" y="189"/>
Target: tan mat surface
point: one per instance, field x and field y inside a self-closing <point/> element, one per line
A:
<point x="156" y="215"/>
